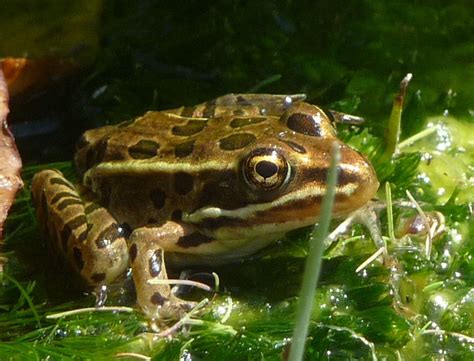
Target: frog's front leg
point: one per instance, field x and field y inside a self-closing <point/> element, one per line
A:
<point x="80" y="231"/>
<point x="147" y="257"/>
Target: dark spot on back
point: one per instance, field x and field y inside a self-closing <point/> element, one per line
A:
<point x="183" y="183"/>
<point x="98" y="277"/>
<point x="144" y="149"/>
<point x="78" y="258"/>
<point x="193" y="240"/>
<point x="192" y="127"/>
<point x="295" y="146"/>
<point x="243" y="122"/>
<point x="184" y="149"/>
<point x="304" y="124"/>
<point x="236" y="141"/>
<point x="108" y="236"/>
<point x="158" y="299"/>
<point x="154" y="263"/>
<point x="133" y="252"/>
<point x="158" y="198"/>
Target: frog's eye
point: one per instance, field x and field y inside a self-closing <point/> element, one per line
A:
<point x="309" y="120"/>
<point x="266" y="169"/>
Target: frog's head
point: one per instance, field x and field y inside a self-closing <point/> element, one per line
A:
<point x="279" y="181"/>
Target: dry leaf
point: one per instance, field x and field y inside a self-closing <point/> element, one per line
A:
<point x="10" y="161"/>
<point x="26" y="75"/>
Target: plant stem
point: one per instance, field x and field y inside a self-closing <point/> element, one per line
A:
<point x="313" y="264"/>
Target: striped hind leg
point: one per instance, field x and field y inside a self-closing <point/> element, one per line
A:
<point x="80" y="231"/>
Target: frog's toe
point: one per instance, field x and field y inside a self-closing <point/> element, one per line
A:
<point x="174" y="309"/>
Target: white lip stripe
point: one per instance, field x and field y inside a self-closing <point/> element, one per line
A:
<point x="312" y="190"/>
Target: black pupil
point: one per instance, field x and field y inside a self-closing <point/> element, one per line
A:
<point x="266" y="169"/>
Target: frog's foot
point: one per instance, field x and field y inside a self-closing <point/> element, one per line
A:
<point x="147" y="256"/>
<point x="81" y="231"/>
<point x="423" y="224"/>
<point x="367" y="216"/>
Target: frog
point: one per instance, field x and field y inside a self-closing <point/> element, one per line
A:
<point x="207" y="184"/>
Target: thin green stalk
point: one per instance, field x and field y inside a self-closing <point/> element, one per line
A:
<point x="424" y="133"/>
<point x="313" y="264"/>
<point x="393" y="131"/>
<point x="388" y="197"/>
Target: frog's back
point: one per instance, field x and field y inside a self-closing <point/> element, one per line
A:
<point x="208" y="131"/>
<point x="159" y="140"/>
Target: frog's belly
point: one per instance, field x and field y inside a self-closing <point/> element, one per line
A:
<point x="219" y="252"/>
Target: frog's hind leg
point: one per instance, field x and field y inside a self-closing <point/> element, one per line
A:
<point x="80" y="231"/>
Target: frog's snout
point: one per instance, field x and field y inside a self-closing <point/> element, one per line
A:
<point x="357" y="183"/>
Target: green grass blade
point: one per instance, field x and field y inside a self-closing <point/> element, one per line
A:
<point x="393" y="132"/>
<point x="313" y="264"/>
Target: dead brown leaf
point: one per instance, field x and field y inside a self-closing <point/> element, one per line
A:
<point x="28" y="75"/>
<point x="10" y="161"/>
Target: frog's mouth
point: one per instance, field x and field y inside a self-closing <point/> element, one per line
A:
<point x="293" y="210"/>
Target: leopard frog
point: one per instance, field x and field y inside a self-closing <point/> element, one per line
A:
<point x="206" y="184"/>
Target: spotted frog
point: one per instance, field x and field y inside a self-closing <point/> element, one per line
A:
<point x="207" y="184"/>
